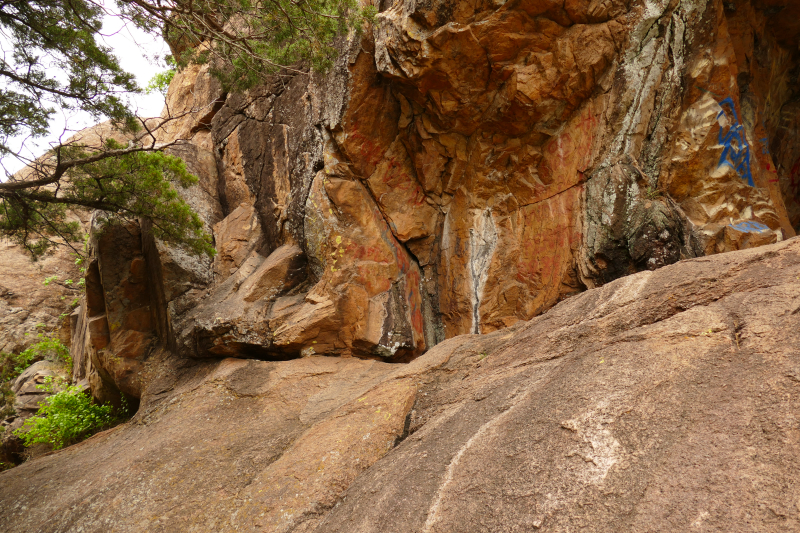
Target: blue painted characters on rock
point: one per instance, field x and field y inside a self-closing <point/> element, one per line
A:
<point x="750" y="226"/>
<point x="736" y="150"/>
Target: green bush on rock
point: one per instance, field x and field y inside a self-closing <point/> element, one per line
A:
<point x="12" y="365"/>
<point x="47" y="348"/>
<point x="65" y="417"/>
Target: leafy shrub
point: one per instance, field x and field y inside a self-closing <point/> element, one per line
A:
<point x="160" y="82"/>
<point x="47" y="348"/>
<point x="12" y="365"/>
<point x="65" y="417"/>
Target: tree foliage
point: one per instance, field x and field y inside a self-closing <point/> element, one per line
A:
<point x="56" y="62"/>
<point x="129" y="182"/>
<point x="56" y="36"/>
<point x="246" y="40"/>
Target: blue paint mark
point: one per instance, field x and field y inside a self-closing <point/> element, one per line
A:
<point x="736" y="153"/>
<point x="750" y="226"/>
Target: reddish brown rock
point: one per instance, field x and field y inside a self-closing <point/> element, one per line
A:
<point x="366" y="299"/>
<point x="235" y="318"/>
<point x="237" y="236"/>
<point x="464" y="167"/>
<point x="121" y="331"/>
<point x="192" y="100"/>
<point x="650" y="403"/>
<point x="335" y="410"/>
<point x="236" y="190"/>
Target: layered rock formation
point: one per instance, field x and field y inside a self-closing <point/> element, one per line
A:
<point x="462" y="168"/>
<point x="664" y="401"/>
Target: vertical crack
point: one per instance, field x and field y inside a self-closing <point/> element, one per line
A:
<point x="482" y="243"/>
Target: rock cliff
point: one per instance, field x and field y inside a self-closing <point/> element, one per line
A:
<point x="462" y="169"/>
<point x="29" y="303"/>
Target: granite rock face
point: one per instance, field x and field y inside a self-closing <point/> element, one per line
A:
<point x="28" y="306"/>
<point x="466" y="166"/>
<point x="461" y="170"/>
<point x="663" y="401"/>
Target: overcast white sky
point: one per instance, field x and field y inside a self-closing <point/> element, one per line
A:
<point x="140" y="54"/>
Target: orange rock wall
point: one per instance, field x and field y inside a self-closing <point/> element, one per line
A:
<point x="465" y="166"/>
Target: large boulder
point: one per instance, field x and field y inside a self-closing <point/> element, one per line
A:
<point x="663" y="401"/>
<point x="29" y="387"/>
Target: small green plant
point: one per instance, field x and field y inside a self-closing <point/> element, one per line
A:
<point x="67" y="416"/>
<point x="653" y="192"/>
<point x="48" y="280"/>
<point x="47" y="348"/>
<point x="160" y="82"/>
<point x="22" y="361"/>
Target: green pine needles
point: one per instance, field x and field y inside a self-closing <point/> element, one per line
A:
<point x="56" y="62"/>
<point x="127" y="182"/>
<point x="56" y="36"/>
<point x="245" y="41"/>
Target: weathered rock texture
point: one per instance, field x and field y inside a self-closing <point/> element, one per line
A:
<point x="464" y="167"/>
<point x="664" y="401"/>
<point x="28" y="306"/>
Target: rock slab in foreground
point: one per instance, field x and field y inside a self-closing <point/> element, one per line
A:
<point x="663" y="401"/>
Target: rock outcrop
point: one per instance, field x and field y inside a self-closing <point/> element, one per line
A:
<point x="463" y="168"/>
<point x="664" y="401"/>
